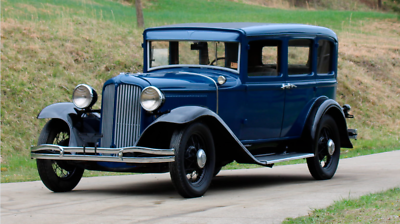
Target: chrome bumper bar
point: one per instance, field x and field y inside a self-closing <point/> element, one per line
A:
<point x="56" y="152"/>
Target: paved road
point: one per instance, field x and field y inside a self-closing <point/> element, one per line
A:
<point x="236" y="196"/>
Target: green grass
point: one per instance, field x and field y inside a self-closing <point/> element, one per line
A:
<point x="381" y="207"/>
<point x="166" y="12"/>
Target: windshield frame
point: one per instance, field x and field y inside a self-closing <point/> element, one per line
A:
<point x="191" y="65"/>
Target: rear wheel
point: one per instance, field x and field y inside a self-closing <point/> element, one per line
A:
<point x="193" y="169"/>
<point x="217" y="169"/>
<point x="326" y="149"/>
<point x="56" y="175"/>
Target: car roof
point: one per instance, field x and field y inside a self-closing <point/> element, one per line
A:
<point x="254" y="29"/>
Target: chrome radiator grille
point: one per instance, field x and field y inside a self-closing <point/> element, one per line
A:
<point x="107" y="115"/>
<point x="121" y="119"/>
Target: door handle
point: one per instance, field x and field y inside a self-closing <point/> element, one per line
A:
<point x="284" y="86"/>
<point x="288" y="86"/>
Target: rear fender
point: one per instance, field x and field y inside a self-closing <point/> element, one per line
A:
<point x="332" y="108"/>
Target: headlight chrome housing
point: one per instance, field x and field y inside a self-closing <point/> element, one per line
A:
<point x="84" y="96"/>
<point x="151" y="98"/>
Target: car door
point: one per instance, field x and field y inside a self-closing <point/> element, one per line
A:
<point x="300" y="85"/>
<point x="263" y="114"/>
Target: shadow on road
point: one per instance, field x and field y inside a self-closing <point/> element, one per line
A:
<point x="248" y="181"/>
<point x="222" y="182"/>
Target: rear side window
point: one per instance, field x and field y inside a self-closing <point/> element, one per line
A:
<point x="299" y="56"/>
<point x="263" y="58"/>
<point x="324" y="61"/>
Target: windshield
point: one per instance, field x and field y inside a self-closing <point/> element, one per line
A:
<point x="198" y="53"/>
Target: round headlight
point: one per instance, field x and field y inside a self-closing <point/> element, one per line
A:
<point x="151" y="98"/>
<point x="84" y="96"/>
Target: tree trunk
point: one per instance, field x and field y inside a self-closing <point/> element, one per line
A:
<point x="139" y="13"/>
<point x="379" y="4"/>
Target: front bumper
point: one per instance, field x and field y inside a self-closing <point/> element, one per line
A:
<point x="134" y="154"/>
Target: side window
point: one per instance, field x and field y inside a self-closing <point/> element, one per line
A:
<point x="324" y="61"/>
<point x="299" y="56"/>
<point x="263" y="58"/>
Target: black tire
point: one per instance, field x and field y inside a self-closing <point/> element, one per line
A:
<point x="217" y="169"/>
<point x="188" y="178"/>
<point x="56" y="175"/>
<point x="323" y="165"/>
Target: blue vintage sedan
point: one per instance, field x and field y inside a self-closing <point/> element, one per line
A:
<point x="209" y="94"/>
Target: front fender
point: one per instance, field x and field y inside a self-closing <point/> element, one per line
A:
<point x="228" y="146"/>
<point x="77" y="124"/>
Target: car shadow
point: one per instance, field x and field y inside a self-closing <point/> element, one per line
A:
<point x="248" y="181"/>
<point x="222" y="182"/>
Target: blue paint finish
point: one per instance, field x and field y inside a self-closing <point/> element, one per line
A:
<point x="262" y="111"/>
<point x="297" y="100"/>
<point x="264" y="106"/>
<point x="256" y="109"/>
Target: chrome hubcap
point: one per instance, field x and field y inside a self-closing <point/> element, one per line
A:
<point x="331" y="147"/>
<point x="201" y="158"/>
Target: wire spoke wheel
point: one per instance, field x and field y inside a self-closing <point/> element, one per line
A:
<point x="326" y="149"/>
<point x="193" y="169"/>
<point x="57" y="175"/>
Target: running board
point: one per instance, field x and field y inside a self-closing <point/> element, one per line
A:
<point x="276" y="158"/>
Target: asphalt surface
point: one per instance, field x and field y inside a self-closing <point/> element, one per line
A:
<point x="236" y="196"/>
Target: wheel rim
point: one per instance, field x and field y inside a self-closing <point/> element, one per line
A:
<point x="61" y="138"/>
<point x="194" y="173"/>
<point x="61" y="172"/>
<point x="324" y="144"/>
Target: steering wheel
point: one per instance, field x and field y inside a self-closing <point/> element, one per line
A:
<point x="215" y="60"/>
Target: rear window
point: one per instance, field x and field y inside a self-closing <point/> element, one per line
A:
<point x="324" y="60"/>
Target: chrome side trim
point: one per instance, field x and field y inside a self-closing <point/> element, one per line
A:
<point x="94" y="154"/>
<point x="215" y="83"/>
<point x="309" y="155"/>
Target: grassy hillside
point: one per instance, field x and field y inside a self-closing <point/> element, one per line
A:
<point x="50" y="46"/>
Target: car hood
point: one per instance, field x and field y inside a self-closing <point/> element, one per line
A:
<point x="177" y="80"/>
<point x="180" y="80"/>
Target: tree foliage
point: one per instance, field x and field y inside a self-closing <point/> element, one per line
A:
<point x="394" y="5"/>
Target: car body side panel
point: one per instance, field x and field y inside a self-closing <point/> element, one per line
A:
<point x="264" y="111"/>
<point x="187" y="114"/>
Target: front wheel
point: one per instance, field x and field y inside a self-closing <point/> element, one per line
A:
<point x="326" y="149"/>
<point x="193" y="169"/>
<point x="56" y="175"/>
